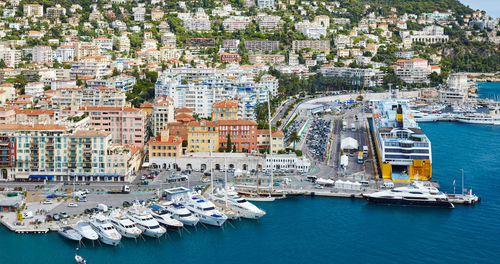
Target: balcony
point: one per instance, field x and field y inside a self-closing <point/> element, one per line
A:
<point x="49" y="147"/>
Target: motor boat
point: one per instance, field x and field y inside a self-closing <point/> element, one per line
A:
<point x="416" y="194"/>
<point x="69" y="233"/>
<point x="124" y="225"/>
<point x="205" y="210"/>
<point x="145" y="222"/>
<point x="86" y="230"/>
<point x="237" y="204"/>
<point x="80" y="259"/>
<point x="482" y="119"/>
<point x="106" y="231"/>
<point x="164" y="217"/>
<point x="422" y="117"/>
<point x="181" y="213"/>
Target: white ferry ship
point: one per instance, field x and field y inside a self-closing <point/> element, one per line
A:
<point x="403" y="150"/>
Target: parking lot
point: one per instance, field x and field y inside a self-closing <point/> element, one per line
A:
<point x="317" y="138"/>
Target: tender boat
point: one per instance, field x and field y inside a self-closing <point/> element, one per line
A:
<point x="205" y="210"/>
<point x="80" y="259"/>
<point x="124" y="225"/>
<point x="416" y="194"/>
<point x="86" y="230"/>
<point x="106" y="231"/>
<point x="481" y="119"/>
<point x="181" y="213"/>
<point x="69" y="233"/>
<point x="145" y="222"/>
<point x="164" y="217"/>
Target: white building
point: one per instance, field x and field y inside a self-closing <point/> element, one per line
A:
<point x="65" y="53"/>
<point x="270" y="4"/>
<point x="42" y="54"/>
<point x="287" y="162"/>
<point x="34" y="89"/>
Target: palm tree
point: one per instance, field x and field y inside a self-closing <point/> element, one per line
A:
<point x="294" y="138"/>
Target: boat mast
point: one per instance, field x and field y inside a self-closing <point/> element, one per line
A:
<point x="211" y="174"/>
<point x="270" y="141"/>
<point x="462" y="181"/>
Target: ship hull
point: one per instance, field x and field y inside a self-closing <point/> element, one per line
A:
<point x="406" y="202"/>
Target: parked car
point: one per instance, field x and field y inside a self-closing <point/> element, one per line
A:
<point x="47" y="202"/>
<point x="72" y="205"/>
<point x="126" y="204"/>
<point x="56" y="217"/>
<point x="63" y="215"/>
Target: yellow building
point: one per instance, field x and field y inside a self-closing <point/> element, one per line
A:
<point x="165" y="146"/>
<point x="203" y="136"/>
<point x="277" y="140"/>
<point x="225" y="110"/>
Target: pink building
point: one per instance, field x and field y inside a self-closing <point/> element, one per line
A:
<point x="127" y="124"/>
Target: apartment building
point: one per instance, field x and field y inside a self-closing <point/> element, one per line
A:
<point x="157" y="14"/>
<point x="266" y="58"/>
<point x="357" y="76"/>
<point x="318" y="45"/>
<point x="65" y="53"/>
<point x="103" y="43"/>
<point x="56" y="12"/>
<point x="122" y="82"/>
<point x="203" y="136"/>
<point x="234" y="23"/>
<point x="127" y="125"/>
<point x="269" y="4"/>
<point x="11" y="57"/>
<point x="86" y="49"/>
<point x="200" y="42"/>
<point x="169" y="39"/>
<point x="268" y="45"/>
<point x="34" y="89"/>
<point x="243" y="134"/>
<point x="165" y="146"/>
<point x="163" y="112"/>
<point x="42" y="54"/>
<point x="413" y="71"/>
<point x="34" y="116"/>
<point x="230" y="57"/>
<point x="32" y="10"/>
<point x="90" y="96"/>
<point x="56" y="153"/>
<point x="277" y="141"/>
<point x="225" y="110"/>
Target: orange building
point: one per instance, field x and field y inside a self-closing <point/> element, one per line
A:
<point x="243" y="134"/>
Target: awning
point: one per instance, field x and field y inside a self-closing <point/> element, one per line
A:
<point x="42" y="176"/>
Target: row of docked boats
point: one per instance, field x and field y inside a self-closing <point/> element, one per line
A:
<point x="153" y="221"/>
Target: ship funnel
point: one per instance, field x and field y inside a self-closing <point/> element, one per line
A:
<point x="399" y="116"/>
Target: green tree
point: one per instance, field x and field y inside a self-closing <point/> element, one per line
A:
<point x="228" y="143"/>
<point x="294" y="138"/>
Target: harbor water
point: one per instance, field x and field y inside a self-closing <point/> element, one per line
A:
<point x="328" y="230"/>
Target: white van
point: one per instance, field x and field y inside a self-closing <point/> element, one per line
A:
<point x="27" y="215"/>
<point x="102" y="207"/>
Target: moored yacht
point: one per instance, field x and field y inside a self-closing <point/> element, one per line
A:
<point x="237" y="204"/>
<point x="205" y="210"/>
<point x="181" y="213"/>
<point x="106" y="231"/>
<point x="416" y="194"/>
<point x="164" y="217"/>
<point x="145" y="222"/>
<point x="124" y="225"/>
<point x="482" y="119"/>
<point x="69" y="233"/>
<point x="86" y="230"/>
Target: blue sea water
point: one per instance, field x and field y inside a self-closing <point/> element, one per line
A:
<point x="323" y="230"/>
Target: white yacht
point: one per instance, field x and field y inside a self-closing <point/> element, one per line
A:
<point x="145" y="222"/>
<point x="69" y="233"/>
<point x="164" y="217"/>
<point x="107" y="233"/>
<point x="482" y="119"/>
<point x="124" y="225"/>
<point x="181" y="213"/>
<point x="237" y="204"/>
<point x="422" y="117"/>
<point x="86" y="230"/>
<point x="416" y="194"/>
<point x="205" y="210"/>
